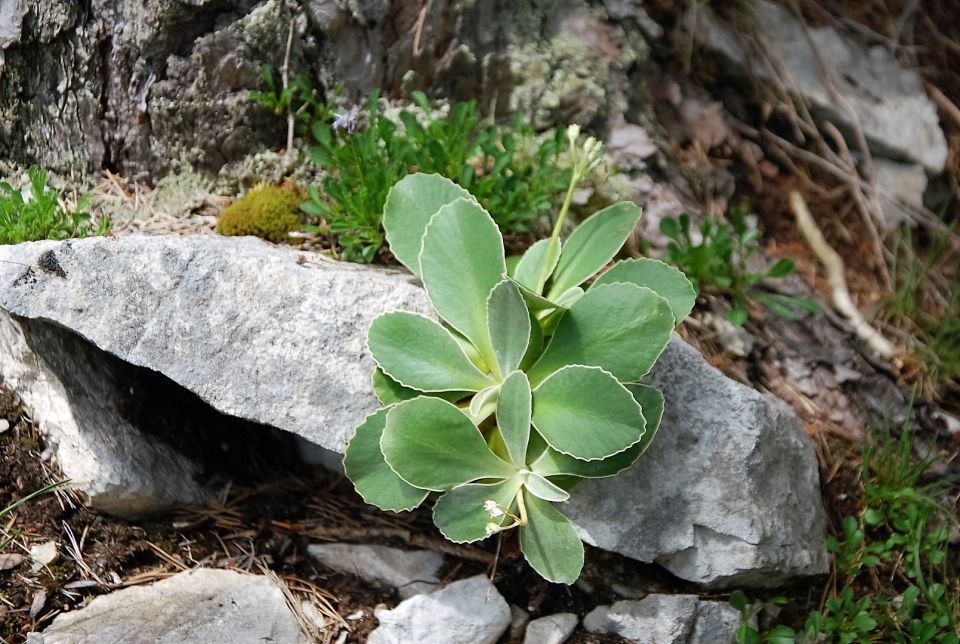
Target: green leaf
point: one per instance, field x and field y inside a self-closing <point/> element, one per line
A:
<point x="508" y="323"/>
<point x="432" y="445"/>
<point x="622" y="328"/>
<point x="739" y="600"/>
<point x="664" y="279"/>
<point x="738" y="315"/>
<point x="460" y="515"/>
<point x="420" y="354"/>
<point x="410" y="204"/>
<point x="535" y="302"/>
<point x="389" y="391"/>
<point x="586" y="413"/>
<point x="513" y="416"/>
<point x="542" y="488"/>
<point x="782" y="268"/>
<point x="372" y="477"/>
<point x="483" y="404"/>
<point x="531" y="264"/>
<point x="593" y="244"/>
<point x="553" y="463"/>
<point x="549" y="542"/>
<point x="781" y="635"/>
<point x="461" y="261"/>
<point x="536" y="344"/>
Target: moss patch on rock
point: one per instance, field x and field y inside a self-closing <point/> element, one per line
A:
<point x="268" y="212"/>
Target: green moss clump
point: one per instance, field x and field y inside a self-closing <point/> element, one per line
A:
<point x="268" y="212"/>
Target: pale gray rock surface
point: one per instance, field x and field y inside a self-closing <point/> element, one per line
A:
<point x="202" y="605"/>
<point x="411" y="572"/>
<point x="901" y="186"/>
<point x="552" y="629"/>
<point x="896" y="116"/>
<point x="465" y="612"/>
<point x="74" y="395"/>
<point x="666" y="619"/>
<point x="728" y="492"/>
<point x="238" y="321"/>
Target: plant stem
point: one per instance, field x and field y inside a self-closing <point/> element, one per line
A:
<point x="555" y="235"/>
<point x="522" y="508"/>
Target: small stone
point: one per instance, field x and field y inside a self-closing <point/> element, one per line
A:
<point x="411" y="572"/>
<point x="470" y="611"/>
<point x="553" y="629"/>
<point x="666" y="619"/>
<point x="42" y="555"/>
<point x="10" y="561"/>
<point x="518" y="622"/>
<point x="4" y="425"/>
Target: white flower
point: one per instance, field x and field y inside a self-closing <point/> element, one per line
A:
<point x="491" y="506"/>
<point x="491" y="528"/>
<point x="573" y="132"/>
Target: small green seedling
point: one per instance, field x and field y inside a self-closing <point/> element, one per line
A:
<point x="38" y="214"/>
<point x="719" y="263"/>
<point x="530" y="382"/>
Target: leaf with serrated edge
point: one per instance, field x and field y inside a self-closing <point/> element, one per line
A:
<point x="372" y="477"/>
<point x="432" y="444"/>
<point x="553" y="463"/>
<point x="543" y="489"/>
<point x="508" y="323"/>
<point x="593" y="244"/>
<point x="410" y="204"/>
<point x="549" y="542"/>
<point x="586" y="413"/>
<point x="420" y="354"/>
<point x="461" y="261"/>
<point x="622" y="328"/>
<point x="531" y="264"/>
<point x="513" y="416"/>
<point x="460" y="515"/>
<point x="664" y="279"/>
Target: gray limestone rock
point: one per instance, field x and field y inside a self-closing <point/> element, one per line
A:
<point x="240" y="322"/>
<point x="411" y="572"/>
<point x="75" y="394"/>
<point x="901" y="187"/>
<point x="889" y="100"/>
<point x="202" y="605"/>
<point x="469" y="611"/>
<point x="552" y="629"/>
<point x="728" y="492"/>
<point x="666" y="619"/>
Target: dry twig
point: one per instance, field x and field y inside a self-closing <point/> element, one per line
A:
<point x="840" y="294"/>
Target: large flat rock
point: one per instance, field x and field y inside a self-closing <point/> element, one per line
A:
<point x="237" y="321"/>
<point x="727" y="495"/>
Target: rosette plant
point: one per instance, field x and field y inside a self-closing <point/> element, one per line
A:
<point x="530" y="380"/>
